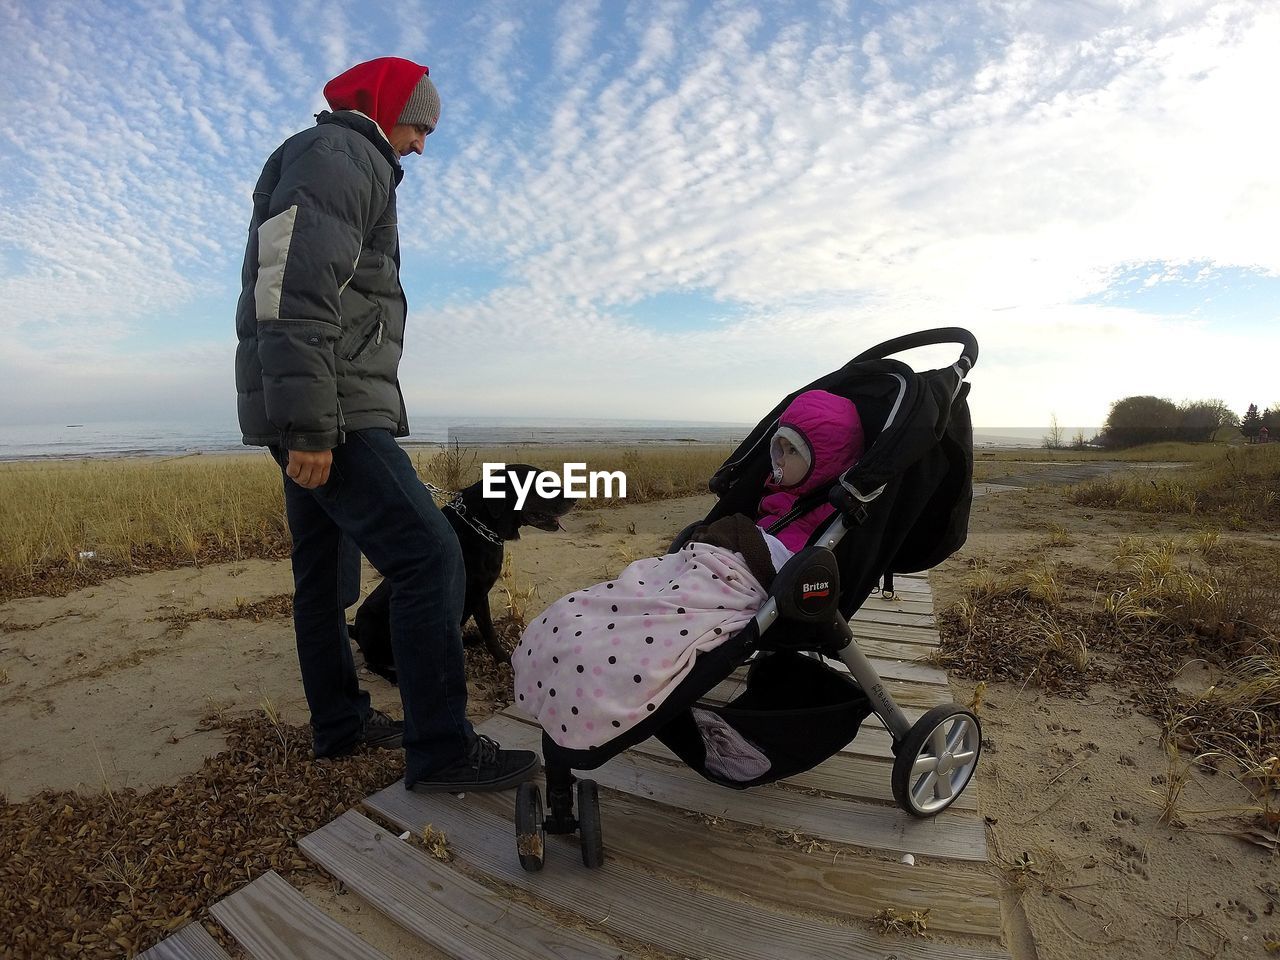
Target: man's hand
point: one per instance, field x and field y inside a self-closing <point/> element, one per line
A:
<point x="309" y="468"/>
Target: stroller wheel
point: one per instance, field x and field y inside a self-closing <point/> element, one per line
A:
<point x="589" y="824"/>
<point x="935" y="761"/>
<point x="531" y="838"/>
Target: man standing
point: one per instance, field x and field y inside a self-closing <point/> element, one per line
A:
<point x="321" y="322"/>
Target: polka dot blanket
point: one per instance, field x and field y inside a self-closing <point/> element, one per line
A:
<point x="597" y="661"/>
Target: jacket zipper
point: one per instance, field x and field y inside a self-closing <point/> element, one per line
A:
<point x="373" y="336"/>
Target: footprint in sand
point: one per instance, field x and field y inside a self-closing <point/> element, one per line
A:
<point x="1242" y="910"/>
<point x="1132" y="858"/>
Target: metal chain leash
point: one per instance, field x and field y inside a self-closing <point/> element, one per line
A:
<point x="457" y="506"/>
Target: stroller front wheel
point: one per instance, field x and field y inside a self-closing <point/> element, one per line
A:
<point x="589" y="824"/>
<point x="935" y="761"/>
<point x="531" y="835"/>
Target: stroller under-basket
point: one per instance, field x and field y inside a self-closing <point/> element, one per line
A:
<point x="902" y="508"/>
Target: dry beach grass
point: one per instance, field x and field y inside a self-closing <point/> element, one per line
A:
<point x="1124" y="663"/>
<point x="67" y="524"/>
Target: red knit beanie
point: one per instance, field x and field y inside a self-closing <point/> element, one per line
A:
<point x="377" y="88"/>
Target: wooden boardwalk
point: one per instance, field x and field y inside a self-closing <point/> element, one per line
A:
<point x="792" y="870"/>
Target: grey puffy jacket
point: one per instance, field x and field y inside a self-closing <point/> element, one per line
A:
<point x="321" y="313"/>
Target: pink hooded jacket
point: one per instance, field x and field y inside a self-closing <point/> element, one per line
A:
<point x="833" y="430"/>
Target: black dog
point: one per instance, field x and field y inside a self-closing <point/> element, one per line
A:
<point x="483" y="525"/>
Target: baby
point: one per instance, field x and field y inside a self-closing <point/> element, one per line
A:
<point x="598" y="661"/>
<point x="819" y="436"/>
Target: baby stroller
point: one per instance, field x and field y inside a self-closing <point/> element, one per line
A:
<point x="902" y="508"/>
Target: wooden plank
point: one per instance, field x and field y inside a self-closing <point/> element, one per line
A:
<point x="902" y="603"/>
<point x="922" y="673"/>
<point x="273" y="921"/>
<point x="913" y="712"/>
<point x="916" y="672"/>
<point x="902" y="651"/>
<point x="849" y="775"/>
<point x="918" y="581"/>
<point x="909" y="649"/>
<point x="923" y="639"/>
<point x="953" y="835"/>
<point x="873" y="740"/>
<point x="905" y="694"/>
<point x="447" y="909"/>
<point x="192" y="942"/>
<point x="960" y="899"/>
<point x="636" y="904"/>
<point x="894" y="618"/>
<point x="912" y="584"/>
<point x="924" y="636"/>
<point x="888" y="670"/>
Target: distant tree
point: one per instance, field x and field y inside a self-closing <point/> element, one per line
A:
<point x="1199" y="420"/>
<point x="1271" y="418"/>
<point x="1053" y="441"/>
<point x="1078" y="441"/>
<point x="1136" y="420"/>
<point x="1251" y="422"/>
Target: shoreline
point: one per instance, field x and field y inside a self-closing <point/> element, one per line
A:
<point x="140" y="456"/>
<point x="421" y="446"/>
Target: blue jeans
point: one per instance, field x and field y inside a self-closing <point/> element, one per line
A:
<point x="373" y="503"/>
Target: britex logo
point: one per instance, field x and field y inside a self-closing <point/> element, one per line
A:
<point x="574" y="482"/>
<point x="820" y="589"/>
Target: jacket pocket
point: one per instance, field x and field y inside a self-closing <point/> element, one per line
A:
<point x="370" y="340"/>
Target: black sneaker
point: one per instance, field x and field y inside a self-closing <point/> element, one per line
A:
<point x="485" y="767"/>
<point x="379" y="731"/>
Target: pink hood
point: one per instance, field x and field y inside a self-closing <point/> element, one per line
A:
<point x="832" y="428"/>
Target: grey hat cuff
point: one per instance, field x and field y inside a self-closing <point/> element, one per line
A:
<point x="423" y="106"/>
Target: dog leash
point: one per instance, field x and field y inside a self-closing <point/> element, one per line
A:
<point x="457" y="506"/>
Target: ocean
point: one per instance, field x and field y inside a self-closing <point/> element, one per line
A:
<point x="138" y="439"/>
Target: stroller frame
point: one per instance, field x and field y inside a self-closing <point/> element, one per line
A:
<point x="934" y="758"/>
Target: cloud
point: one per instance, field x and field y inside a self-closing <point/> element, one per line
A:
<point x="657" y="35"/>
<point x="496" y="73"/>
<point x="576" y="23"/>
<point x="1004" y="194"/>
<point x="836" y="179"/>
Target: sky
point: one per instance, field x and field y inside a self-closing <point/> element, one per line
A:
<point x="665" y="210"/>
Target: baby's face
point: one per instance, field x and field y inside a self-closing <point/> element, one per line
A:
<point x="789" y="466"/>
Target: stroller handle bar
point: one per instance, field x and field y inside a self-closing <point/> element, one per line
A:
<point x="925" y="338"/>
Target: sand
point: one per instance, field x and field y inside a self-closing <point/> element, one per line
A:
<point x="110" y="685"/>
<point x="1073" y="788"/>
